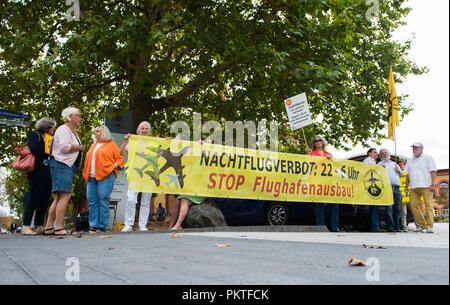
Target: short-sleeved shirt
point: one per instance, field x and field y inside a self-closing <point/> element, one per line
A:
<point x="419" y="169"/>
<point x="390" y="167"/>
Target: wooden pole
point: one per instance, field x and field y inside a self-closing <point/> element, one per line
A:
<point x="306" y="142"/>
<point x="395" y="146"/>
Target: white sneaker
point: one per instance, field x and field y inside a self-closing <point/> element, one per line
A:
<point x="143" y="229"/>
<point x="429" y="230"/>
<point x="127" y="229"/>
<point x="419" y="229"/>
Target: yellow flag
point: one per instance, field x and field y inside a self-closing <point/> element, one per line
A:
<point x="392" y="107"/>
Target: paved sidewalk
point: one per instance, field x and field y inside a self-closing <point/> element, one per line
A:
<point x="439" y="239"/>
<point x="251" y="258"/>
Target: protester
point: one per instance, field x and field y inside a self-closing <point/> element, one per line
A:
<point x="318" y="149"/>
<point x="181" y="209"/>
<point x="421" y="178"/>
<point x="39" y="179"/>
<point x="393" y="212"/>
<point x="374" y="210"/>
<point x="404" y="219"/>
<point x="144" y="129"/>
<point x="102" y="163"/>
<point x="65" y="157"/>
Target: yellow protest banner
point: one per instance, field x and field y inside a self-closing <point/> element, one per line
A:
<point x="189" y="168"/>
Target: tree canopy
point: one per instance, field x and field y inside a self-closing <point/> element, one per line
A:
<point x="229" y="60"/>
<point x="226" y="59"/>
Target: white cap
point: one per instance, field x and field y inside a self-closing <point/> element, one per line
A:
<point x="417" y="144"/>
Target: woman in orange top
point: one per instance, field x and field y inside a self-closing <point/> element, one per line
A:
<point x="102" y="163"/>
<point x="318" y="146"/>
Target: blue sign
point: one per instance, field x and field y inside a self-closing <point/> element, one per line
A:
<point x="15" y="115"/>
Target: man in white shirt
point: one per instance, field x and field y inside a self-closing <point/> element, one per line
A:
<point x="421" y="178"/>
<point x="393" y="212"/>
<point x="374" y="210"/>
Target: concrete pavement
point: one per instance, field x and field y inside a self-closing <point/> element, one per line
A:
<point x="251" y="258"/>
<point x="439" y="239"/>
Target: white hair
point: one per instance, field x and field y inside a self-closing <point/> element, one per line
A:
<point x="143" y="123"/>
<point x="66" y="113"/>
<point x="105" y="133"/>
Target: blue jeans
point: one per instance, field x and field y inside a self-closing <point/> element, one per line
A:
<point x="319" y="211"/>
<point x="373" y="217"/>
<point x="394" y="212"/>
<point x="98" y="195"/>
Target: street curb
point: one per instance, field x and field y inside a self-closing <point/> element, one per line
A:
<point x="245" y="229"/>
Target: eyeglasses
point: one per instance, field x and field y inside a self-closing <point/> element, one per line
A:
<point x="318" y="140"/>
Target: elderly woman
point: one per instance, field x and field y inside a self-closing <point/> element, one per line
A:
<point x="318" y="149"/>
<point x="144" y="129"/>
<point x="39" y="180"/>
<point x="65" y="157"/>
<point x="102" y="163"/>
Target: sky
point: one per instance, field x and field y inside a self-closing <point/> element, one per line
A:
<point x="429" y="93"/>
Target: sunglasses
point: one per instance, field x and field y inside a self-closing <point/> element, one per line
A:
<point x="319" y="140"/>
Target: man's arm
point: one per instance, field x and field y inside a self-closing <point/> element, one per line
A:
<point x="433" y="181"/>
<point x="407" y="185"/>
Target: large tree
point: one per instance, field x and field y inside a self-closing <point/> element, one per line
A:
<point x="229" y="60"/>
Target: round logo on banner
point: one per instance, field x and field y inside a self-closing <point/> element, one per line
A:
<point x="373" y="184"/>
<point x="288" y="102"/>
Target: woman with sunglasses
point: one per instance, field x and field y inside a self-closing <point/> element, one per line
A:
<point x="318" y="149"/>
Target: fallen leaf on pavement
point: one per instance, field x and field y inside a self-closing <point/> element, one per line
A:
<point x="222" y="245"/>
<point x="105" y="236"/>
<point x="174" y="235"/>
<point x="373" y="247"/>
<point x="111" y="248"/>
<point x="356" y="262"/>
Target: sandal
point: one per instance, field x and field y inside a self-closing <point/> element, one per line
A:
<point x="28" y="233"/>
<point x="48" y="229"/>
<point x="65" y="234"/>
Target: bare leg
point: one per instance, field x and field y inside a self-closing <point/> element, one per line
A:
<point x="174" y="213"/>
<point x="60" y="210"/>
<point x="184" y="209"/>
<point x="52" y="212"/>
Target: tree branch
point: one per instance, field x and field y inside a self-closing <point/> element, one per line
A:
<point x="102" y="84"/>
<point x="189" y="89"/>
